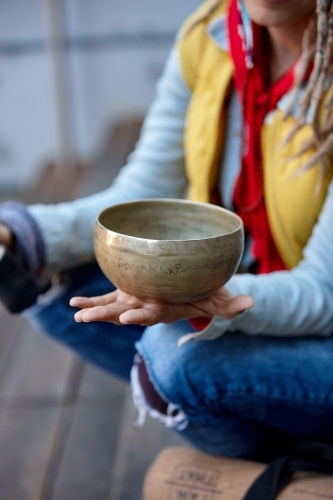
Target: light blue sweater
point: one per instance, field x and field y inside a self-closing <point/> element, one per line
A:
<point x="287" y="303"/>
<point x="297" y="302"/>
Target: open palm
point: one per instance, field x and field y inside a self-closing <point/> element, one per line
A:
<point x="120" y="308"/>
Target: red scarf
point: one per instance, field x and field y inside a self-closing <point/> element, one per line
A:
<point x="257" y="99"/>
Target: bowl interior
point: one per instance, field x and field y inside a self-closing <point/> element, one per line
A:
<point x="169" y="220"/>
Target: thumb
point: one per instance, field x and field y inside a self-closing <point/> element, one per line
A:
<point x="239" y="304"/>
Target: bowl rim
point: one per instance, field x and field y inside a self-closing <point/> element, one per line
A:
<point x="171" y="201"/>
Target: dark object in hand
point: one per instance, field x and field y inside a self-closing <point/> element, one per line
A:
<point x="18" y="290"/>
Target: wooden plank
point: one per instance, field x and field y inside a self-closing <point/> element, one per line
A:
<point x="26" y="437"/>
<point x="79" y="478"/>
<point x="99" y="385"/>
<point x="85" y="469"/>
<point x="63" y="429"/>
<point x="36" y="396"/>
<point x="9" y="328"/>
<point x="88" y="458"/>
<point x="39" y="367"/>
<point x="33" y="378"/>
<point x="42" y="378"/>
<point x="8" y="325"/>
<point x="137" y="447"/>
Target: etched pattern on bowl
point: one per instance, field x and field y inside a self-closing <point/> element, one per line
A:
<point x="167" y="250"/>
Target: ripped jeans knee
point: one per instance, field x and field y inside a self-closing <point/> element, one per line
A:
<point x="147" y="399"/>
<point x="238" y="395"/>
<point x="158" y="378"/>
<point x="185" y="388"/>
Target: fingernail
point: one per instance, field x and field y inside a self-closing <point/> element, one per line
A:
<point x="243" y="310"/>
<point x="122" y="321"/>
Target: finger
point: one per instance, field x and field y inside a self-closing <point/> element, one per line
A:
<point x="101" y="300"/>
<point x="146" y="317"/>
<point x="157" y="313"/>
<point x="108" y="314"/>
<point x="237" y="305"/>
<point x="78" y="316"/>
<point x="89" y="315"/>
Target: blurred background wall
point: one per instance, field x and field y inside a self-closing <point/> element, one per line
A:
<point x="69" y="69"/>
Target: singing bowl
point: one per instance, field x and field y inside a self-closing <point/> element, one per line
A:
<point x="170" y="251"/>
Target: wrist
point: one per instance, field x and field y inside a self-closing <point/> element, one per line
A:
<point x="6" y="237"/>
<point x="25" y="239"/>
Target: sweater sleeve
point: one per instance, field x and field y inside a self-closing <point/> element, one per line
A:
<point x="288" y="303"/>
<point x="29" y="247"/>
<point x="154" y="170"/>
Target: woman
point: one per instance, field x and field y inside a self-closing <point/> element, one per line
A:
<point x="243" y="117"/>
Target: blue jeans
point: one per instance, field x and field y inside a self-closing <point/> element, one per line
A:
<point x="104" y="344"/>
<point x="243" y="396"/>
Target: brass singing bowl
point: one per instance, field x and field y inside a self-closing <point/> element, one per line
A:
<point x="166" y="250"/>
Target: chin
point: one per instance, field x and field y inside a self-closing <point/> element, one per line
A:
<point x="279" y="12"/>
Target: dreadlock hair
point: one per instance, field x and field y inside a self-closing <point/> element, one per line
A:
<point x="318" y="46"/>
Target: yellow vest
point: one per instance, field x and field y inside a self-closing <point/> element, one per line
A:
<point x="292" y="204"/>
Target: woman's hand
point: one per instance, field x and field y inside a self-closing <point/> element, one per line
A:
<point x="122" y="309"/>
<point x="6" y="237"/>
